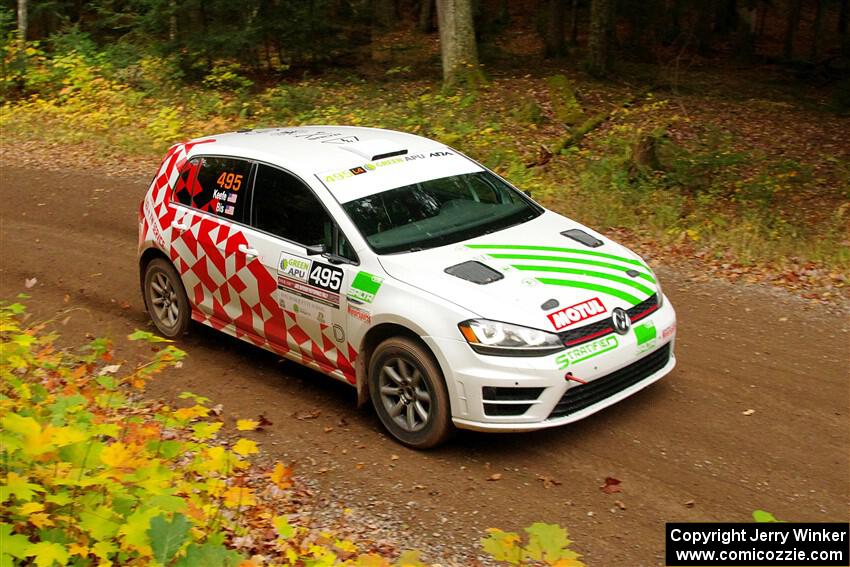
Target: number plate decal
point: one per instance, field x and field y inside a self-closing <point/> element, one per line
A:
<point x="325" y="277"/>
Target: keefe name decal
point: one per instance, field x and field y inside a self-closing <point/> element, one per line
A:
<point x="563" y="318"/>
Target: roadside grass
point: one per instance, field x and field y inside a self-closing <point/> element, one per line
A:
<point x="662" y="169"/>
<point x="92" y="473"/>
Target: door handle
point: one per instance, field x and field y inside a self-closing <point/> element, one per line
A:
<point x="250" y="252"/>
<point x="179" y="226"/>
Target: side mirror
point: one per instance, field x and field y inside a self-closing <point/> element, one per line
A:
<point x="315" y="250"/>
<point x="527" y="193"/>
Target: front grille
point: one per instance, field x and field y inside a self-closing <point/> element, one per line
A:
<point x="573" y="337"/>
<point x="579" y="397"/>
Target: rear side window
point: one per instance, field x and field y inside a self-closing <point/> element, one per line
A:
<point x="215" y="185"/>
<point x="283" y="205"/>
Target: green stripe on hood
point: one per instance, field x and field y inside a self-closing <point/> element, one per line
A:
<point x="556" y="249"/>
<point x="589" y="273"/>
<point x="631" y="299"/>
<point x="596" y="263"/>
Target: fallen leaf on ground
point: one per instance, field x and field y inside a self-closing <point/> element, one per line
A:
<point x="748" y="412"/>
<point x="247" y="424"/>
<point x="29" y="282"/>
<point x="495" y="476"/>
<point x="328" y="429"/>
<point x="690" y="503"/>
<point x="611" y="485"/>
<point x="264" y="421"/>
<point x="111" y="369"/>
<point x="303" y="415"/>
<point x="620" y="504"/>
<point x="394" y="457"/>
<point x="548" y="481"/>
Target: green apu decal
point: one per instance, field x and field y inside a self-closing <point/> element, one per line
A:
<point x="365" y="286"/>
<point x="645" y="334"/>
<point x="585" y="351"/>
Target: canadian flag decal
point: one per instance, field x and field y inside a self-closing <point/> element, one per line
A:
<point x="563" y="318"/>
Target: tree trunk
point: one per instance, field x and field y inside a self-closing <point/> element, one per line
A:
<point x="574" y="23"/>
<point x="794" y="9"/>
<point x="172" y="20"/>
<point x="817" y="30"/>
<point x="457" y="43"/>
<point x="601" y="36"/>
<point x="553" y="34"/>
<point x="747" y="18"/>
<point x="23" y="21"/>
<point x="842" y="26"/>
<point x="426" y="16"/>
<point x="384" y="13"/>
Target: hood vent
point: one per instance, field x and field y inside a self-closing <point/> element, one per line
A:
<point x="474" y="272"/>
<point x="581" y="236"/>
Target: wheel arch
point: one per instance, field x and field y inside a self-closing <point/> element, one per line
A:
<point x="375" y="336"/>
<point x="146" y="258"/>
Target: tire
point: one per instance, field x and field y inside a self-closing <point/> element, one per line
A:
<point x="165" y="299"/>
<point x="409" y="393"/>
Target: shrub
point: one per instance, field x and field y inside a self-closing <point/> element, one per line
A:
<point x="92" y="474"/>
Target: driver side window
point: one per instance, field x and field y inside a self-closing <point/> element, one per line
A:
<point x="284" y="206"/>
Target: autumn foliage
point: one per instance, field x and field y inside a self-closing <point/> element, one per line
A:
<point x="94" y="474"/>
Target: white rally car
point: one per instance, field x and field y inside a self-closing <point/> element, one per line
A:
<point x="406" y="269"/>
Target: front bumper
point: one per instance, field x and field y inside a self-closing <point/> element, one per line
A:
<point x="534" y="390"/>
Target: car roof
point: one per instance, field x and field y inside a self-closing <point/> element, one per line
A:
<point x="308" y="150"/>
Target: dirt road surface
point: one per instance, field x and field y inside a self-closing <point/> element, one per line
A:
<point x="684" y="449"/>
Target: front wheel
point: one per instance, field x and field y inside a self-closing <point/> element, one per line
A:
<point x="166" y="299"/>
<point x="409" y="393"/>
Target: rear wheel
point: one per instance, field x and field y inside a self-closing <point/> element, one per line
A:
<point x="409" y="393"/>
<point x="166" y="299"/>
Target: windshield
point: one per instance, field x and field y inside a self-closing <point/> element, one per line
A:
<point x="438" y="212"/>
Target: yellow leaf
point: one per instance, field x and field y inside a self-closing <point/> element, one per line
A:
<point x="77" y="549"/>
<point x="185" y="414"/>
<point x="61" y="436"/>
<point x="247" y="424"/>
<point x="204" y="430"/>
<point x="237" y="496"/>
<point x="30" y="508"/>
<point x="245" y="447"/>
<point x="119" y="456"/>
<point x="40" y="519"/>
<point x="281" y="476"/>
<point x="47" y="552"/>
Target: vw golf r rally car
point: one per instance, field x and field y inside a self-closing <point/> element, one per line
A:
<point x="406" y="269"/>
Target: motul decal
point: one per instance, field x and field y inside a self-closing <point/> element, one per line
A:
<point x="563" y="318"/>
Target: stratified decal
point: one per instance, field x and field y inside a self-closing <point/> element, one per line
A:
<point x="587" y="350"/>
<point x="364" y="287"/>
<point x="563" y="318"/>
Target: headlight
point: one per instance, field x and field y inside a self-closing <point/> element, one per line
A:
<point x="504" y="339"/>
<point x="658" y="291"/>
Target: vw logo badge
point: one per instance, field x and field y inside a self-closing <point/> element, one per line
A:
<point x="621" y="320"/>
